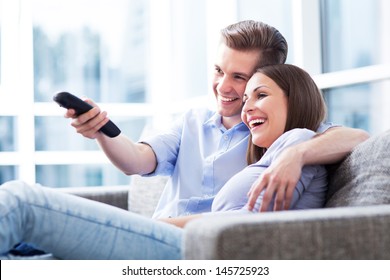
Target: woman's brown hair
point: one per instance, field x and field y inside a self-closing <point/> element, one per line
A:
<point x="305" y="106"/>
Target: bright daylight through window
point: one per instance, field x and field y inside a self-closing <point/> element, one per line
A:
<point x="145" y="62"/>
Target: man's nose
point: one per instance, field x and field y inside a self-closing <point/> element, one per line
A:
<point x="225" y="85"/>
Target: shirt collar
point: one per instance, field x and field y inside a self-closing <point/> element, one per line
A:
<point x="216" y="120"/>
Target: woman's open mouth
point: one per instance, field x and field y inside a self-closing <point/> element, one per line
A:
<point x="255" y="122"/>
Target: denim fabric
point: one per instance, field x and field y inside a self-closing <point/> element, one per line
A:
<point x="71" y="227"/>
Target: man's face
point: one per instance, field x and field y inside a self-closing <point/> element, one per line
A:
<point x="232" y="71"/>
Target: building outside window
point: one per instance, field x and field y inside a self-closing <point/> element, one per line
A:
<point x="7" y="171"/>
<point x="99" y="53"/>
<point x="352" y="34"/>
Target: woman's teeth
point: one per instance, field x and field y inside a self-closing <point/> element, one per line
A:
<point x="256" y="122"/>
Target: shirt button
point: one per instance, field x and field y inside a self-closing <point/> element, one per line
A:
<point x="226" y="137"/>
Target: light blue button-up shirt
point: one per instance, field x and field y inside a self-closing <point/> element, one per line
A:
<point x="200" y="155"/>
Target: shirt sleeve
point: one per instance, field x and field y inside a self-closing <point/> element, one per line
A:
<point x="166" y="148"/>
<point x="325" y="126"/>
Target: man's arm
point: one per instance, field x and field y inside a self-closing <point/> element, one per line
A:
<point x="129" y="157"/>
<point x="283" y="174"/>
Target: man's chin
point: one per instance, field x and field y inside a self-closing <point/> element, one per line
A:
<point x="229" y="112"/>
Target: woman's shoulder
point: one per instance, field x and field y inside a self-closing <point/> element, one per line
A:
<point x="287" y="139"/>
<point x="294" y="136"/>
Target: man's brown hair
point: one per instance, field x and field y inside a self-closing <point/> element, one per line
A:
<point x="255" y="35"/>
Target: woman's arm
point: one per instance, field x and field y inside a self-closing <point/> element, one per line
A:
<point x="281" y="177"/>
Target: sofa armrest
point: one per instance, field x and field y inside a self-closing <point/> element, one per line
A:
<point x="334" y="233"/>
<point x="113" y="195"/>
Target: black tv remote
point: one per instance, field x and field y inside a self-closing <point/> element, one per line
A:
<point x="70" y="101"/>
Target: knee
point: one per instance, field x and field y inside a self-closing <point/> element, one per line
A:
<point x="14" y="184"/>
<point x="16" y="187"/>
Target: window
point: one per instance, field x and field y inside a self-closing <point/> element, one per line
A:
<point x="7" y="122"/>
<point x="0" y="38"/>
<point x="352" y="38"/>
<point x="99" y="53"/>
<point x="144" y="62"/>
<point x="105" y="53"/>
<point x="7" y="145"/>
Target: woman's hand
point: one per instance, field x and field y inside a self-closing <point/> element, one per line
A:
<point x="278" y="180"/>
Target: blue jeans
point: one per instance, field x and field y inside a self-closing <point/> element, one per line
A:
<point x="71" y="227"/>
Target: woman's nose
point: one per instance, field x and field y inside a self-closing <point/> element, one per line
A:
<point x="247" y="106"/>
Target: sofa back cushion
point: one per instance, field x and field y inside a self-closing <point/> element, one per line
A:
<point x="145" y="193"/>
<point x="363" y="178"/>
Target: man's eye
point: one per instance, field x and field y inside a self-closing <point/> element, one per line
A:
<point x="218" y="70"/>
<point x="240" y="78"/>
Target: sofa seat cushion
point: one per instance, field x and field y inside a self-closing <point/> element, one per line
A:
<point x="363" y="178"/>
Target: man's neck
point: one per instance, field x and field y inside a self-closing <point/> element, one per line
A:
<point x="229" y="122"/>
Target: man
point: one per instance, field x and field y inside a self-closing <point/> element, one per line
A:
<point x="204" y="149"/>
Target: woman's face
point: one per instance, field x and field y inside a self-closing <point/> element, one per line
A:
<point x="265" y="110"/>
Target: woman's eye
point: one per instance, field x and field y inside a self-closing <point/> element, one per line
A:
<point x="261" y="95"/>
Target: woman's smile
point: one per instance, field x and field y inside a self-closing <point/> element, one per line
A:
<point x="264" y="110"/>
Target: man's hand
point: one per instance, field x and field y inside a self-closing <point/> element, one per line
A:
<point x="89" y="123"/>
<point x="281" y="177"/>
<point x="278" y="180"/>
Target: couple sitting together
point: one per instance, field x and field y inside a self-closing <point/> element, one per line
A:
<point x="263" y="149"/>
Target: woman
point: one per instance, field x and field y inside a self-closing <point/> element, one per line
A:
<point x="282" y="107"/>
<point x="278" y="99"/>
